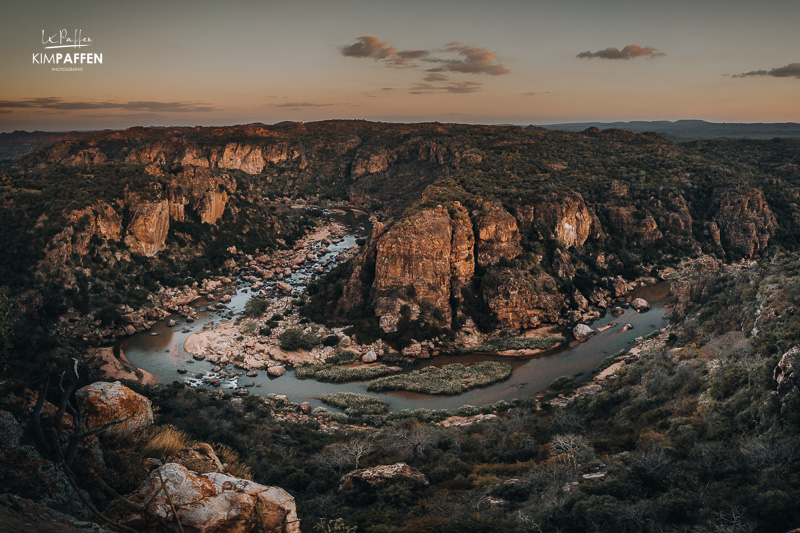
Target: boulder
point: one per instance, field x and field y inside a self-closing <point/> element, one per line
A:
<point x="284" y="287"/>
<point x="277" y="370"/>
<point x="211" y="502"/>
<point x="107" y="402"/>
<point x="305" y="407"/>
<point x="376" y="476"/>
<point x="582" y="332"/>
<point x="369" y="357"/>
<point x="640" y="304"/>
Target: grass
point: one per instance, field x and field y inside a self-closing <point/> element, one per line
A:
<point x="518" y="343"/>
<point x="165" y="442"/>
<point x="450" y="379"/>
<point x="232" y="462"/>
<point x="356" y="404"/>
<point x="336" y="374"/>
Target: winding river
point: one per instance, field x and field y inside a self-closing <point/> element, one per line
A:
<point x="163" y="354"/>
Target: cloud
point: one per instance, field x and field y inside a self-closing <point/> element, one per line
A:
<point x="301" y="104"/>
<point x="473" y="59"/>
<point x="136" y="105"/>
<point x="629" y="52"/>
<point x="476" y="60"/>
<point x="792" y="70"/>
<point x="368" y="46"/>
<point x="435" y="76"/>
<point x="535" y="93"/>
<point x="453" y="88"/>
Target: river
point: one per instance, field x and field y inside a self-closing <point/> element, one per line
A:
<point x="162" y="354"/>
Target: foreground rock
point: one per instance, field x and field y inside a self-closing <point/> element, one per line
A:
<point x="24" y="472"/>
<point x="378" y="475"/>
<point x="582" y="332"/>
<point x="108" y="402"/>
<point x="212" y="502"/>
<point x="21" y="515"/>
<point x="640" y="305"/>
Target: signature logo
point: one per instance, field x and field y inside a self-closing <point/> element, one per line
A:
<point x="66" y="60"/>
<point x="63" y="39"/>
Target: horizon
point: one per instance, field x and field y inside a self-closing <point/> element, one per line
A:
<point x="518" y="125"/>
<point x="514" y="62"/>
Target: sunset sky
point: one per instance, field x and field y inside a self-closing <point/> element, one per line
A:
<point x="521" y="62"/>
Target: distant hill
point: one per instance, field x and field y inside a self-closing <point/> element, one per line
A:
<point x="690" y="130"/>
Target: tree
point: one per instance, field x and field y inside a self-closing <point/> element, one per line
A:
<point x="6" y="331"/>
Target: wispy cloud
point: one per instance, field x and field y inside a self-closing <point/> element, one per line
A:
<point x="302" y="104"/>
<point x="469" y="60"/>
<point x="474" y="60"/>
<point x="369" y="46"/>
<point x="453" y="88"/>
<point x="55" y="103"/>
<point x="629" y="52"/>
<point x="435" y="76"/>
<point x="792" y="70"/>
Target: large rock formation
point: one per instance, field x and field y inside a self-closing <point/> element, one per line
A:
<point x="521" y="299"/>
<point x="378" y="475"/>
<point x="202" y="191"/>
<point x="107" y="402"/>
<point x="787" y="373"/>
<point x="412" y="268"/>
<point x="562" y="217"/>
<point x="211" y="503"/>
<point x="148" y="224"/>
<point x="497" y="235"/>
<point x="745" y="221"/>
<point x="462" y="250"/>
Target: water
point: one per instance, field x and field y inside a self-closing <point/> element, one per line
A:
<point x="163" y="354"/>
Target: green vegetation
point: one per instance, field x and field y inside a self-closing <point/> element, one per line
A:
<point x="295" y="339"/>
<point x="356" y="404"/>
<point x="449" y="379"/>
<point x="338" y="374"/>
<point x="519" y="343"/>
<point x="255" y="307"/>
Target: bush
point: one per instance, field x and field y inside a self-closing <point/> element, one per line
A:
<point x="255" y="307"/>
<point x="295" y="339"/>
<point x="165" y="442"/>
<point x="356" y="404"/>
<point x="449" y="379"/>
<point x="333" y="374"/>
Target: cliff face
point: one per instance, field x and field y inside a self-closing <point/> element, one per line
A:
<point x="412" y="268"/>
<point x="522" y="300"/>
<point x="497" y="235"/>
<point x="564" y="218"/>
<point x="745" y="221"/>
<point x="147" y="226"/>
<point x="205" y="193"/>
<point x="462" y="250"/>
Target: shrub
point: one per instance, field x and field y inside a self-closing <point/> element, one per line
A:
<point x="333" y="374"/>
<point x="255" y="307"/>
<point x="449" y="379"/>
<point x="295" y="339"/>
<point x="356" y="404"/>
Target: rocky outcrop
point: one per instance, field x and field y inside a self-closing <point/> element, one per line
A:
<point x="521" y="299"/>
<point x="745" y="221"/>
<point x="148" y="224"/>
<point x="22" y="515"/>
<point x="462" y="250"/>
<point x="564" y="218"/>
<point x="26" y="473"/>
<point x="109" y="402"/>
<point x="640" y="305"/>
<point x="412" y="268"/>
<point x="497" y="235"/>
<point x="100" y="220"/>
<point x="370" y="163"/>
<point x="376" y="476"/>
<point x="692" y="281"/>
<point x="201" y="191"/>
<point x="211" y="503"/>
<point x="627" y="220"/>
<point x="787" y="373"/>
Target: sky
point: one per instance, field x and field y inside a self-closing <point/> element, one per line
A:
<point x="493" y="62"/>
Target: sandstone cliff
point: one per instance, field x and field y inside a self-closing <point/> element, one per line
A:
<point x="521" y="299"/>
<point x="745" y="221"/>
<point x="497" y="235"/>
<point x="562" y="217"/>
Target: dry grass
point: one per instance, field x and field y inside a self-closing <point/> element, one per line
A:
<point x="232" y="462"/>
<point x="165" y="442"/>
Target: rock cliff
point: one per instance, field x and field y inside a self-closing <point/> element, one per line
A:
<point x="745" y="221"/>
<point x="497" y="235"/>
<point x="521" y="299"/>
